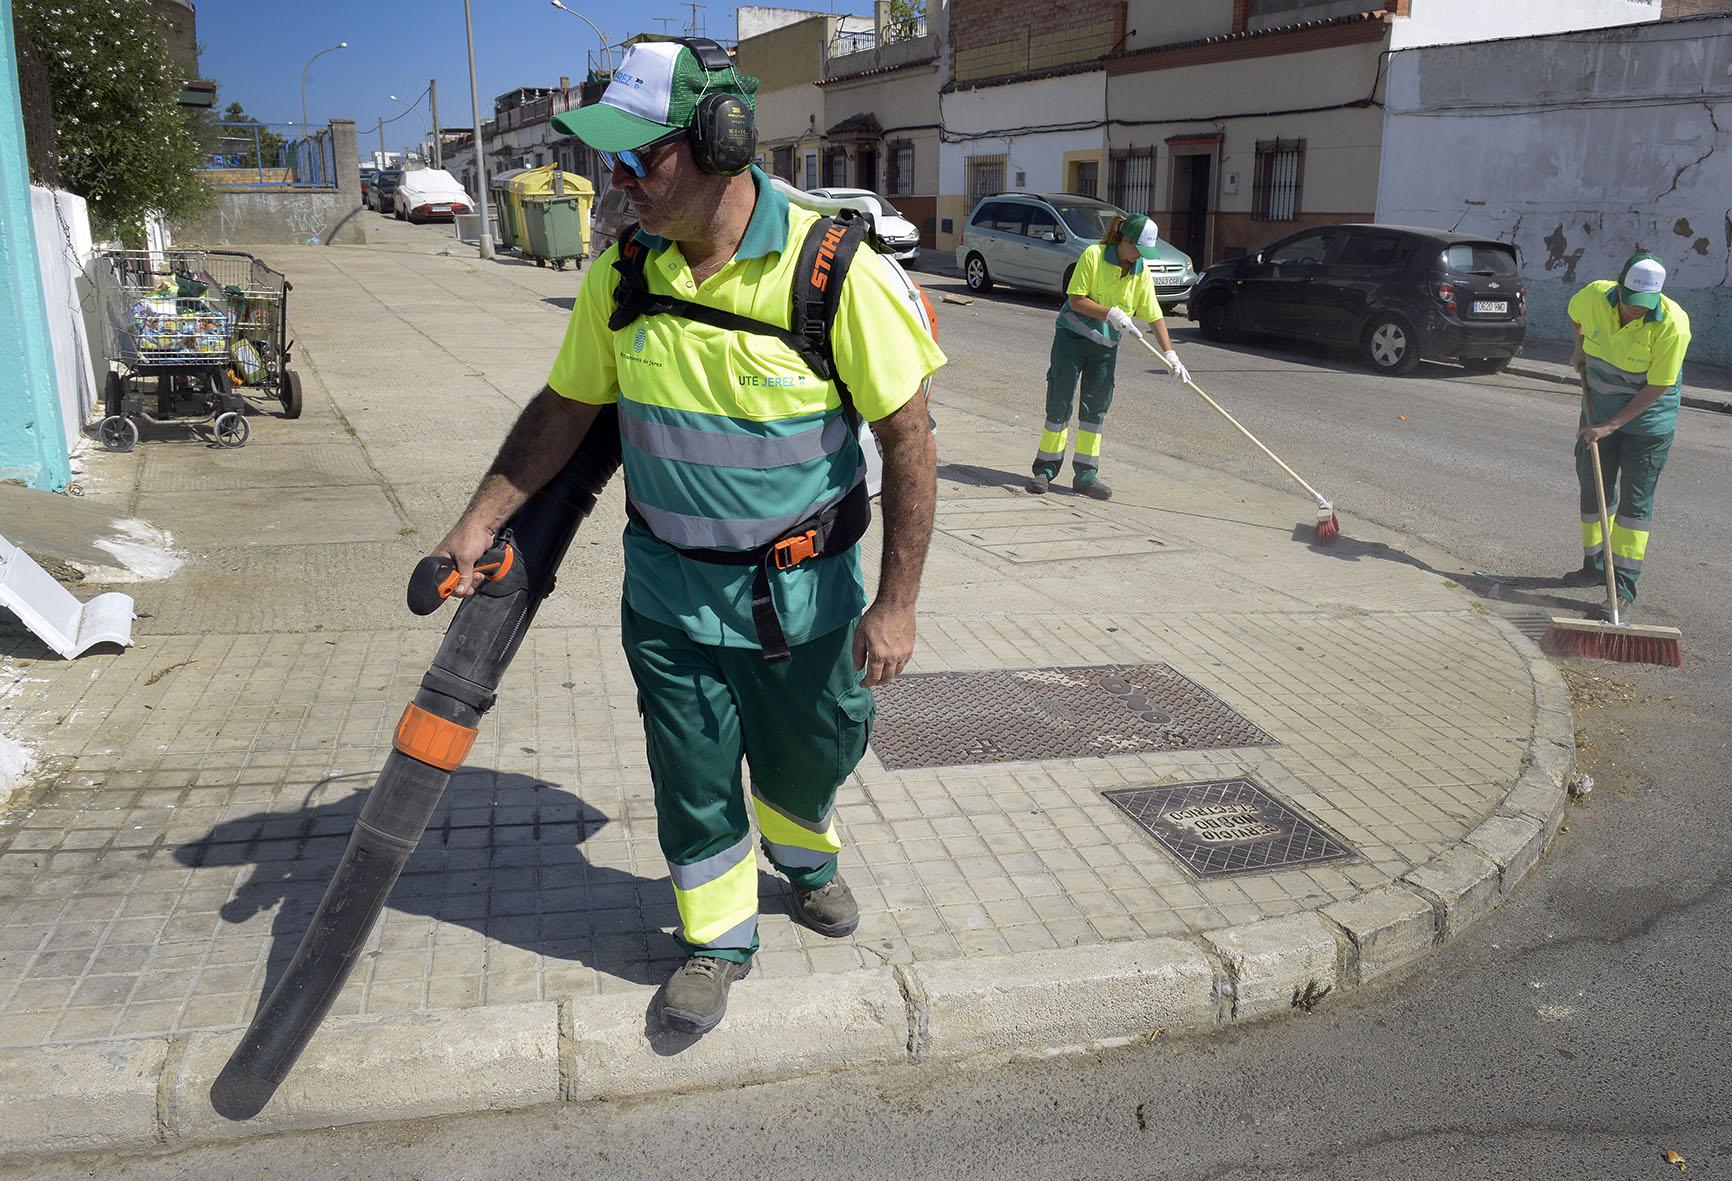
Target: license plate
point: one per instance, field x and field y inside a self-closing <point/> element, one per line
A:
<point x="1491" y="307"/>
<point x="447" y="209"/>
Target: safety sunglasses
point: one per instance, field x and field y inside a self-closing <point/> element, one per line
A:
<point x="638" y="159"/>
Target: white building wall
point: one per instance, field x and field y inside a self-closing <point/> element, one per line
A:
<point x="990" y="115"/>
<point x="63" y="248"/>
<point x="1452" y="22"/>
<point x="1580" y="150"/>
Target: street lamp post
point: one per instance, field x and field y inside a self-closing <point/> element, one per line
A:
<point x="484" y="245"/>
<point x="416" y="107"/>
<point x="606" y="52"/>
<point x="304" y="69"/>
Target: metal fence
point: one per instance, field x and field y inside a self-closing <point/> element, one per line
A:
<point x="248" y="155"/>
<point x="1280" y="173"/>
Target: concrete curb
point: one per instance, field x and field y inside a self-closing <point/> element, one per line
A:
<point x="1694" y="401"/>
<point x="122" y="1095"/>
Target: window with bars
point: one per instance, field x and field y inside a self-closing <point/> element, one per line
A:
<point x="1278" y="178"/>
<point x="783" y="163"/>
<point x="901" y="166"/>
<point x="811" y="181"/>
<point x="836" y="168"/>
<point x="1086" y="180"/>
<point x="985" y="176"/>
<point x="1132" y="179"/>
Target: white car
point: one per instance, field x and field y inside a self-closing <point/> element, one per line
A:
<point x="430" y="194"/>
<point x="894" y="230"/>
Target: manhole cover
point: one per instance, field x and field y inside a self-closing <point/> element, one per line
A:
<point x="1032" y="714"/>
<point x="1225" y="827"/>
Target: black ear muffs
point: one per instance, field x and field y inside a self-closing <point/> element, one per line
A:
<point x="723" y="133"/>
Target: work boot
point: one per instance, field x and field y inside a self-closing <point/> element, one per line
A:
<point x="830" y="909"/>
<point x="1626" y="608"/>
<point x="1094" y="489"/>
<point x="1585" y="576"/>
<point x="1037" y="485"/>
<point x="696" y="996"/>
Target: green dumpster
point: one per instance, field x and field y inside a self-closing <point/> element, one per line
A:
<point x="510" y="233"/>
<point x="554" y="229"/>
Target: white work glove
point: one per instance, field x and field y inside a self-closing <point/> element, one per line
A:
<point x="1121" y="319"/>
<point x="1171" y="357"/>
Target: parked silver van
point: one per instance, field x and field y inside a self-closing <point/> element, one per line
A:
<point x="1034" y="240"/>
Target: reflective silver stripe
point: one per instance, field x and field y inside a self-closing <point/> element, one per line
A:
<point x="1591" y="550"/>
<point x="794" y="857"/>
<point x="756" y="452"/>
<point x="713" y="533"/>
<point x="737" y="939"/>
<point x="1606" y="378"/>
<point x="1590" y="518"/>
<point x="1635" y="523"/>
<point x="1620" y="562"/>
<point x="1058" y="455"/>
<point x="690" y="877"/>
<point x="1093" y="428"/>
<point x="1081" y="460"/>
<point x="821" y="827"/>
<point x="1058" y="428"/>
<point x="1094" y="330"/>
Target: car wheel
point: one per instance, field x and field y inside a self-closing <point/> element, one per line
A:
<point x="1390" y="346"/>
<point x="1219" y="319"/>
<point x="1064" y="283"/>
<point x="975" y="274"/>
<point x="1485" y="364"/>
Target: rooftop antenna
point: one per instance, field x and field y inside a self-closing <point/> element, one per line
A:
<point x="665" y="22"/>
<point x="695" y="27"/>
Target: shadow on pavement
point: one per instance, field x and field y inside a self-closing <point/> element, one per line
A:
<point x="976" y="476"/>
<point x="501" y="856"/>
<point x="1522" y="590"/>
<point x="562" y="302"/>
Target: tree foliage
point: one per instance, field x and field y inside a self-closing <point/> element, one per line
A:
<point x="905" y="18"/>
<point x="122" y="141"/>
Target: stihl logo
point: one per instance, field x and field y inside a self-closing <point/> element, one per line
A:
<point x="826" y="256"/>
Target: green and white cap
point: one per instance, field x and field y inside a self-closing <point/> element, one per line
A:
<point x="1644" y="275"/>
<point x="653" y="92"/>
<point x="1140" y="231"/>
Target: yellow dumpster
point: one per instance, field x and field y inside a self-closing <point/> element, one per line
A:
<point x="558" y="195"/>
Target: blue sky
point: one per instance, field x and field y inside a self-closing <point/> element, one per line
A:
<point x="254" y="51"/>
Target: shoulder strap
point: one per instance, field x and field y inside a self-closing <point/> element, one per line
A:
<point x="824" y="260"/>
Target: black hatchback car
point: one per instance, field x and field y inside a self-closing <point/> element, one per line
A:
<point x="1396" y="293"/>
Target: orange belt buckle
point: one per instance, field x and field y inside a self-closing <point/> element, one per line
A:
<point x="791" y="551"/>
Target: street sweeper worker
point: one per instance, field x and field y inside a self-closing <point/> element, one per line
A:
<point x="1630" y="346"/>
<point x="742" y="616"/>
<point x="1109" y="290"/>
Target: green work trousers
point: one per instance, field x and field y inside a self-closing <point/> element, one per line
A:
<point x="802" y="725"/>
<point x="1074" y="359"/>
<point x="1630" y="467"/>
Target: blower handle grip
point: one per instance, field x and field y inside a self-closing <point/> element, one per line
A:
<point x="435" y="577"/>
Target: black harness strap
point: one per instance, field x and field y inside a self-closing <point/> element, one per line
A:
<point x="817" y="293"/>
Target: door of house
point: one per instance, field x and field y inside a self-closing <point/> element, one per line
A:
<point x="1192" y="188"/>
<point x="866" y="169"/>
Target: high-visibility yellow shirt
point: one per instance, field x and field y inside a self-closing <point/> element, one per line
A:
<point x="724" y="434"/>
<point x="1103" y="280"/>
<point x="1624" y="358"/>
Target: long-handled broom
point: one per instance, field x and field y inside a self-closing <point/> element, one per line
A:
<point x="1328" y="524"/>
<point x="1611" y="640"/>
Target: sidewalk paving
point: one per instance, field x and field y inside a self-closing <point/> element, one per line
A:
<point x="198" y="789"/>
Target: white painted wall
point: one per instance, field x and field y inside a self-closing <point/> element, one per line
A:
<point x="1495" y="139"/>
<point x="1450" y="22"/>
<point x="753" y="20"/>
<point x="1076" y="98"/>
<point x="63" y="254"/>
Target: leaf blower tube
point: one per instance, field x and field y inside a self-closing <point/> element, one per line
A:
<point x="432" y="741"/>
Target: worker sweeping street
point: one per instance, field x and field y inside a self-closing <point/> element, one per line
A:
<point x="739" y="339"/>
<point x="1630" y="345"/>
<point x="1109" y="289"/>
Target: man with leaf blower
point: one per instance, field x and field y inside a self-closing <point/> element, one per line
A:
<point x="1630" y="346"/>
<point x="740" y="337"/>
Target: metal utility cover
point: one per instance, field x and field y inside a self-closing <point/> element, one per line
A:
<point x="1033" y="714"/>
<point x="1031" y="529"/>
<point x="1226" y="827"/>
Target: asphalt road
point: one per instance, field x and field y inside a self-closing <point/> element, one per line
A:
<point x="1580" y="1032"/>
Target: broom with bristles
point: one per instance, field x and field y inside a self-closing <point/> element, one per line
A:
<point x="1328" y="524"/>
<point x="1611" y="640"/>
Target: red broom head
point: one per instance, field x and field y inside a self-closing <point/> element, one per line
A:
<point x="1608" y="645"/>
<point x="1328" y="530"/>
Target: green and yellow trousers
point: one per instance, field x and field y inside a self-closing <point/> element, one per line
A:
<point x="1075" y="360"/>
<point x="1630" y="467"/>
<point x="801" y="726"/>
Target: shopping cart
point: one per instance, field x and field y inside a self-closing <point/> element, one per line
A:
<point x="208" y="325"/>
